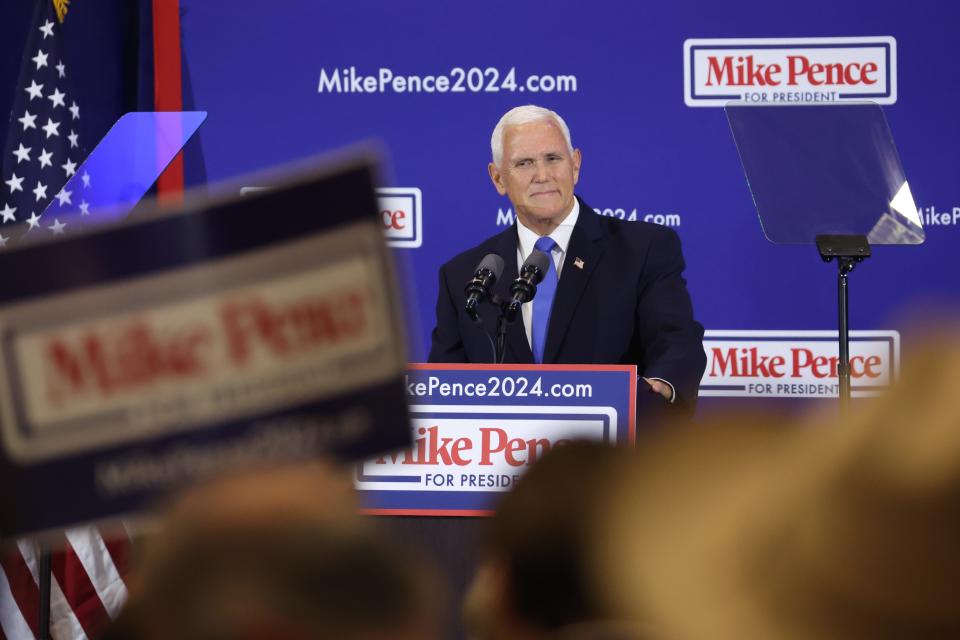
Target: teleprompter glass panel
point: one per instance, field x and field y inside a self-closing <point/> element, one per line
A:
<point x="824" y="169"/>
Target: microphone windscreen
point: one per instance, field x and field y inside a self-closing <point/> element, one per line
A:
<point x="494" y="263"/>
<point x="540" y="260"/>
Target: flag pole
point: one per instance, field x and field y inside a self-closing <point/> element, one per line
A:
<point x="44" y="569"/>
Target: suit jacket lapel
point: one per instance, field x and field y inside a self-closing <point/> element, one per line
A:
<point x="517" y="343"/>
<point x="585" y="246"/>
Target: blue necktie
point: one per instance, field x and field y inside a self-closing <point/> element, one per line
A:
<point x="543" y="301"/>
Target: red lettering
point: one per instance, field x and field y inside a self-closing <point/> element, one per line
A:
<point x="797" y="66"/>
<point x="438" y="451"/>
<point x="515" y="445"/>
<point x="826" y="367"/>
<point x="817" y="365"/>
<point x="127" y="357"/>
<point x="801" y="360"/>
<point x="759" y="365"/>
<point x="772" y="70"/>
<point x="868" y="367"/>
<point x="393" y="219"/>
<point x="288" y="330"/>
<point x="495" y="441"/>
<point x="776" y="362"/>
<point x="716" y="73"/>
<point x="848" y="76"/>
<point x="816" y="74"/>
<point x="487" y="448"/>
<point x="744" y="73"/>
<point x="759" y="75"/>
<point x="815" y="68"/>
<point x="461" y="445"/>
<point x="725" y="358"/>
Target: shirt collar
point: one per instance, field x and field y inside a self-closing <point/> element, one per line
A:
<point x="561" y="235"/>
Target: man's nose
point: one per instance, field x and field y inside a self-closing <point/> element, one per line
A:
<point x="542" y="174"/>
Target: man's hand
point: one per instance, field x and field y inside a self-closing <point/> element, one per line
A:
<point x="660" y="387"/>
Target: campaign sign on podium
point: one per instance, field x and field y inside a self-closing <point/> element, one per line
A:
<point x="477" y="428"/>
<point x="143" y="356"/>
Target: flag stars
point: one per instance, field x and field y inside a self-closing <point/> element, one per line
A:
<point x="34" y="89"/>
<point x="45" y="159"/>
<point x="70" y="167"/>
<point x="33" y="220"/>
<point x="29" y="121"/>
<point x="40" y="59"/>
<point x="57" y="98"/>
<point x="51" y="128"/>
<point x="23" y="153"/>
<point x="86" y="179"/>
<point x="63" y="197"/>
<point x="61" y="69"/>
<point x="84" y="208"/>
<point x="3" y="241"/>
<point x="15" y="183"/>
<point x="7" y="213"/>
<point x="74" y="110"/>
<point x="47" y="29"/>
<point x="57" y="227"/>
<point x="40" y="191"/>
<point x="72" y="138"/>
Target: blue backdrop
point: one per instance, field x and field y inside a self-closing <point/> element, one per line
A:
<point x="268" y="78"/>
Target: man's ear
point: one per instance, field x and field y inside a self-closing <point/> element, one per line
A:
<point x="497" y="178"/>
<point x="577" y="159"/>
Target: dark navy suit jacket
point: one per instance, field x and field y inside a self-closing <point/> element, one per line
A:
<point x="627" y="304"/>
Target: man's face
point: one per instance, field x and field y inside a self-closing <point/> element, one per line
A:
<point x="537" y="172"/>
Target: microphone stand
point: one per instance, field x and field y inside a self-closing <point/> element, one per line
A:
<point x="531" y="273"/>
<point x="500" y="342"/>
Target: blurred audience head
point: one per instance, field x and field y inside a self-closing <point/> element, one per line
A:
<point x="280" y="555"/>
<point x="829" y="528"/>
<point x="531" y="580"/>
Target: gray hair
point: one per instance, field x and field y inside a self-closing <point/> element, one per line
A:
<point x="523" y="115"/>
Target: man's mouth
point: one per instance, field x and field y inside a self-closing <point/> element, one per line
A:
<point x="539" y="194"/>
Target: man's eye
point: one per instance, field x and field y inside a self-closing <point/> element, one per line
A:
<point x="554" y="158"/>
<point x="525" y="163"/>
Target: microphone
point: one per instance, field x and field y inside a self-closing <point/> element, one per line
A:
<point x="478" y="287"/>
<point x="525" y="286"/>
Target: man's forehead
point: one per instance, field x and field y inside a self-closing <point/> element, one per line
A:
<point x="545" y="128"/>
<point x="534" y="138"/>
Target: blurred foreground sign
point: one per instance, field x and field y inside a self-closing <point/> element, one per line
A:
<point x="144" y="356"/>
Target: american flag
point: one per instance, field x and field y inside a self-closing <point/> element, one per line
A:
<point x="43" y="146"/>
<point x="42" y="150"/>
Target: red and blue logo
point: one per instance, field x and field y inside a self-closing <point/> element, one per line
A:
<point x="401" y="215"/>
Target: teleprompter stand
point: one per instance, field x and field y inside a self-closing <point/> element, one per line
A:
<point x="830" y="175"/>
<point x="848" y="251"/>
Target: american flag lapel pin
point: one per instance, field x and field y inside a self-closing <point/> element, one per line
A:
<point x="578" y="263"/>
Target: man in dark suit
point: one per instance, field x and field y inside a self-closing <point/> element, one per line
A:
<point x="614" y="293"/>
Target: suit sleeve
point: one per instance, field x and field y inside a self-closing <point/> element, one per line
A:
<point x="670" y="338"/>
<point x="446" y="343"/>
